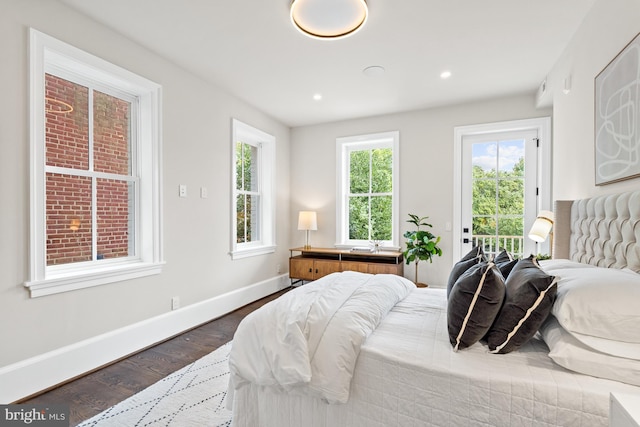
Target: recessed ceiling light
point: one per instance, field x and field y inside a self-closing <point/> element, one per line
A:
<point x="317" y="96"/>
<point x="445" y="74"/>
<point x="374" y="71"/>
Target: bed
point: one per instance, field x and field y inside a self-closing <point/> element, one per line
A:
<point x="397" y="366"/>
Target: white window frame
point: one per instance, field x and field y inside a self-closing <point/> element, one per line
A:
<point x="49" y="55"/>
<point x="266" y="184"/>
<point x="344" y="146"/>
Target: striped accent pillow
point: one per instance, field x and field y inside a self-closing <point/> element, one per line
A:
<point x="473" y="257"/>
<point x="530" y="295"/>
<point x="474" y="303"/>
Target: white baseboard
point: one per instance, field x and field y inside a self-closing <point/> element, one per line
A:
<point x="29" y="376"/>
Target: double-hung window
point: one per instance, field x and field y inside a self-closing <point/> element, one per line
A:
<point x="253" y="177"/>
<point x="367" y="202"/>
<point x="95" y="177"/>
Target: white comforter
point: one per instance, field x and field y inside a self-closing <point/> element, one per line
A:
<point x="308" y="340"/>
<point x="408" y="375"/>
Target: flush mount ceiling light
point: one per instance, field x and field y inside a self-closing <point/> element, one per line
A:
<point x="374" y="71"/>
<point x="328" y="19"/>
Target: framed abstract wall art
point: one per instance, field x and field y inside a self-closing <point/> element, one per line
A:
<point x="617" y="117"/>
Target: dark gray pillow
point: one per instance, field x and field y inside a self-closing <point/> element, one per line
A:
<point x="473" y="257"/>
<point x="506" y="267"/>
<point x="530" y="295"/>
<point x="503" y="256"/>
<point x="474" y="303"/>
<point x="505" y="262"/>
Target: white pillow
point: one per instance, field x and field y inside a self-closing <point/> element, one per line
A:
<point x="571" y="354"/>
<point x="550" y="265"/>
<point x="600" y="302"/>
<point x="630" y="350"/>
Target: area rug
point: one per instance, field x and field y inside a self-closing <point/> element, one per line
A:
<point x="193" y="396"/>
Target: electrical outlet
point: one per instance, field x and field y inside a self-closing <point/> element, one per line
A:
<point x="182" y="190"/>
<point x="278" y="269"/>
<point x="175" y="303"/>
<point x="204" y="193"/>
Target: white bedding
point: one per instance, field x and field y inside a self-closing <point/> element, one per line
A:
<point x="407" y="375"/>
<point x="308" y="340"/>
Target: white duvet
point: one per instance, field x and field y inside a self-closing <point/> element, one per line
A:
<point x="308" y="340"/>
<point x="407" y="375"/>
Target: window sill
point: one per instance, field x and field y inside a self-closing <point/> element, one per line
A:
<point x="249" y="252"/>
<point x="348" y="246"/>
<point x="56" y="285"/>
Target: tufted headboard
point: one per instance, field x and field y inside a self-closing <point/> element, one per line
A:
<point x="602" y="230"/>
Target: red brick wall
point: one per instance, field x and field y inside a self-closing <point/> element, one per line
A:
<point x="68" y="197"/>
<point x="110" y="134"/>
<point x="68" y="200"/>
<point x="113" y="218"/>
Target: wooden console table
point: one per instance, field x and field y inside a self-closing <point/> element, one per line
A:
<point x="314" y="263"/>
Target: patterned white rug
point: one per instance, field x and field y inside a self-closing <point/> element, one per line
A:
<point x="193" y="396"/>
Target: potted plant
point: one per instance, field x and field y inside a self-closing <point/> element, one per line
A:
<point x="422" y="245"/>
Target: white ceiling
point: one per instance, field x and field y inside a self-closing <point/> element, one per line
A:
<point x="249" y="47"/>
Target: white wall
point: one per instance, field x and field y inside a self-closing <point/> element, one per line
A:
<point x="426" y="164"/>
<point x="606" y="30"/>
<point x="196" y="152"/>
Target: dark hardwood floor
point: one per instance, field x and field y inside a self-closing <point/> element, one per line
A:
<point x="97" y="391"/>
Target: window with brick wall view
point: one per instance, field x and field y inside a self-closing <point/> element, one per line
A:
<point x="95" y="170"/>
<point x="89" y="185"/>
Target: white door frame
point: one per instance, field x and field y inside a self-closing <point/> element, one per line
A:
<point x="543" y="127"/>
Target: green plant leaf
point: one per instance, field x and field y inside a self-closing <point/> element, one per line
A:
<point x="422" y="245"/>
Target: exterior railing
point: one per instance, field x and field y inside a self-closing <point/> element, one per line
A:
<point x="492" y="245"/>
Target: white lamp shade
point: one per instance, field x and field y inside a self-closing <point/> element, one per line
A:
<point x="307" y="220"/>
<point x="541" y="226"/>
<point x="328" y="19"/>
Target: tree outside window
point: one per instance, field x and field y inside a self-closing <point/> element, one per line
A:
<point x="367" y="208"/>
<point x="247" y="193"/>
<point x="371" y="194"/>
<point x="498" y="198"/>
<point x="253" y="213"/>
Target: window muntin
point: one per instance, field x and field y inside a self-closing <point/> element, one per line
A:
<point x="96" y="171"/>
<point x="90" y="188"/>
<point x="253" y="177"/>
<point x="367" y="201"/>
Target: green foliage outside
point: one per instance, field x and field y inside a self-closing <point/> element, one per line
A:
<point x="245" y="165"/>
<point x="498" y="204"/>
<point x="370" y="200"/>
